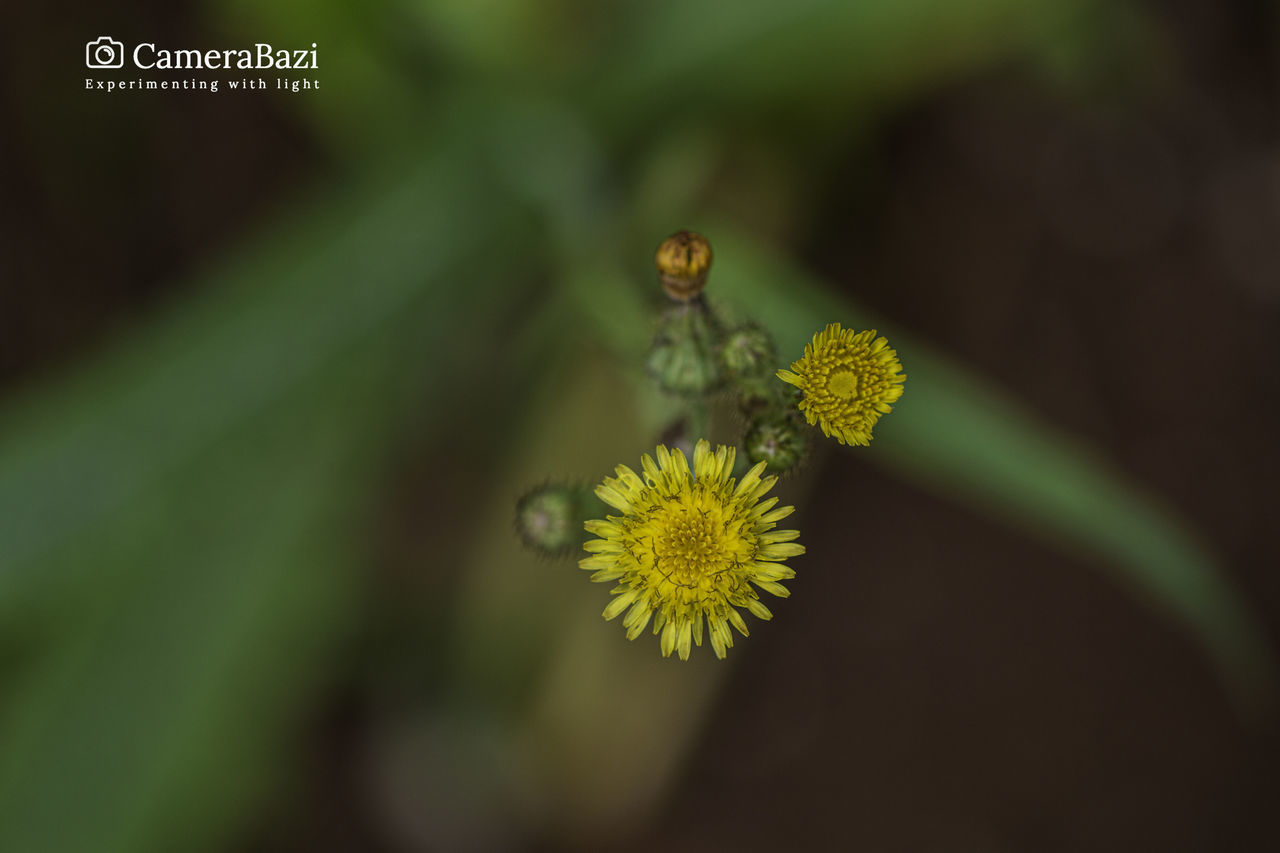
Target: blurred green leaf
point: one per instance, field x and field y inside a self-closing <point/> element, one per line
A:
<point x="958" y="435"/>
<point x="678" y="61"/>
<point x="181" y="522"/>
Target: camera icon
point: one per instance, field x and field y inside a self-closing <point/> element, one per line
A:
<point x="104" y="52"/>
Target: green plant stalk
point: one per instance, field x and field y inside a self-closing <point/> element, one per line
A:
<point x="699" y="420"/>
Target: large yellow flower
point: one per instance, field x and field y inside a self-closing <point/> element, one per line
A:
<point x="849" y="379"/>
<point x="689" y="545"/>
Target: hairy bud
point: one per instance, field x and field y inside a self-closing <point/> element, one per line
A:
<point x="747" y="351"/>
<point x="549" y="519"/>
<point x="779" y="440"/>
<point x="683" y="357"/>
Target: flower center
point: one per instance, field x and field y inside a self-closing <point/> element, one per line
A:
<point x="689" y="547"/>
<point x="843" y="384"/>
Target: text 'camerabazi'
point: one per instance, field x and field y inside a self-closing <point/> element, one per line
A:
<point x="147" y="55"/>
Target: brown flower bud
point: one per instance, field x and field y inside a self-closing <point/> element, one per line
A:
<point x="683" y="261"/>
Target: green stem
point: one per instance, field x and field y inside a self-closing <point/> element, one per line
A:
<point x="699" y="421"/>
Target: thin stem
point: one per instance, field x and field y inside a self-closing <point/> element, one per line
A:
<point x="699" y="421"/>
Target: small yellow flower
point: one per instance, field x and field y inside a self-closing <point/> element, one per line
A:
<point x="689" y="544"/>
<point x="849" y="380"/>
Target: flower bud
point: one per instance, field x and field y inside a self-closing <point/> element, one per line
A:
<point x="683" y="357"/>
<point x="683" y="261"/>
<point x="747" y="351"/>
<point x="778" y="440"/>
<point x="549" y="519"/>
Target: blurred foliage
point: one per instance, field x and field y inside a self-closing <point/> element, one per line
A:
<point x="182" y="522"/>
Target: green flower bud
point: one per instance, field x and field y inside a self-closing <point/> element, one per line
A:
<point x="683" y="357"/>
<point x="747" y="351"/>
<point x="757" y="396"/>
<point x="549" y="519"/>
<point x="779" y="440"/>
